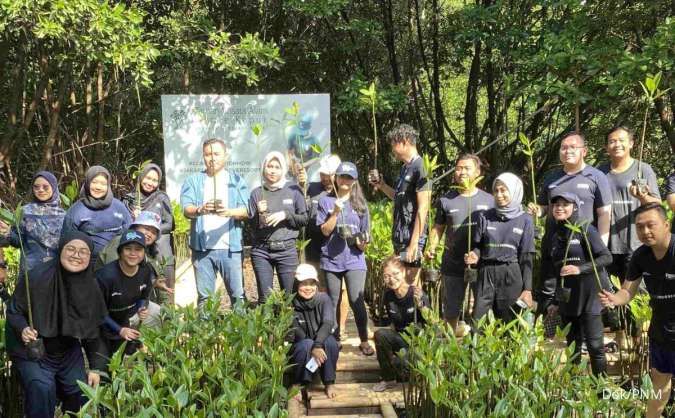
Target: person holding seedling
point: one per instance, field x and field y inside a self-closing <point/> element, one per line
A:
<point x="621" y="170"/>
<point x="578" y="257"/>
<point x="653" y="261"/>
<point x="277" y="211"/>
<point x="97" y="213"/>
<point x="41" y="223"/>
<point x="148" y="224"/>
<point x="314" y="346"/>
<point x="503" y="247"/>
<point x="125" y="285"/>
<point x="216" y="201"/>
<point x="315" y="191"/>
<point x="51" y="317"/>
<point x="453" y="213"/>
<point x="411" y="195"/>
<point x="148" y="196"/>
<point x="345" y="222"/>
<point x="589" y="184"/>
<point x="404" y="304"/>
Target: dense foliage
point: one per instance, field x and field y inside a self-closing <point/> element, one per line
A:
<point x="199" y="364"/>
<point x="84" y="77"/>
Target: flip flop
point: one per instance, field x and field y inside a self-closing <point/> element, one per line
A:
<point x="367" y="350"/>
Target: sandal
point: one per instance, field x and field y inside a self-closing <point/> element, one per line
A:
<point x="366" y="349"/>
<point x="383" y="385"/>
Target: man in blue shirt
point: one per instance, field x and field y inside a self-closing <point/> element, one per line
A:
<point x="216" y="200"/>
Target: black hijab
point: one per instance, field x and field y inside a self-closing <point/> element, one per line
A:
<point x="85" y="193"/>
<point x="147" y="199"/>
<point x="64" y="303"/>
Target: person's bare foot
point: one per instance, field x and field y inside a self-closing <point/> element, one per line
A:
<point x="302" y="394"/>
<point x="330" y="391"/>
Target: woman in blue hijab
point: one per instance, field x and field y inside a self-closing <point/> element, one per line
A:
<point x="40" y="227"/>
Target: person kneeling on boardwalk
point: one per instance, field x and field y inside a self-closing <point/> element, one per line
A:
<point x="314" y="346"/>
<point x="404" y="304"/>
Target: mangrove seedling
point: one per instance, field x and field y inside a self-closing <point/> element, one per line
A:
<point x="467" y="185"/>
<point x="430" y="165"/>
<point x="651" y="92"/>
<point x="369" y="98"/>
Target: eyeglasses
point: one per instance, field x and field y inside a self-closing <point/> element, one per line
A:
<point x="80" y="252"/>
<point x="38" y="187"/>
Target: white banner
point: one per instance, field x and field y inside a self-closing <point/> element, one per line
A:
<point x="297" y="125"/>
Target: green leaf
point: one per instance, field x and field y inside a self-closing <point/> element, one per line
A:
<point x="257" y="129"/>
<point x="316" y="148"/>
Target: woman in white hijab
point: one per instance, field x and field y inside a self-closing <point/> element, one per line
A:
<point x="503" y="246"/>
<point x="276" y="211"/>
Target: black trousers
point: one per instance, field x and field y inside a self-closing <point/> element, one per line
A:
<point x="301" y="353"/>
<point x="587" y="327"/>
<point x="388" y="343"/>
<point x="497" y="289"/>
<point x="356" y="283"/>
<point x="265" y="262"/>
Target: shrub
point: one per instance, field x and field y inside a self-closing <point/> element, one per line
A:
<point x="501" y="372"/>
<point x="181" y="233"/>
<point x="379" y="248"/>
<point x="202" y="364"/>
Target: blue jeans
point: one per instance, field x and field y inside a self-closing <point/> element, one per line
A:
<point x="50" y="379"/>
<point x="207" y="263"/>
<point x="301" y="353"/>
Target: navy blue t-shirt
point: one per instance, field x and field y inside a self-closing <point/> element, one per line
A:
<point x="452" y="210"/>
<point x="412" y="179"/>
<point x="403" y="312"/>
<point x="659" y="277"/>
<point x="590" y="185"/>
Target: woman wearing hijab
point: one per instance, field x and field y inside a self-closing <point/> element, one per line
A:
<point x="153" y="199"/>
<point x="97" y="213"/>
<point x="41" y="223"/>
<point x="67" y="309"/>
<point x="277" y="211"/>
<point x="576" y="284"/>
<point x="503" y="246"/>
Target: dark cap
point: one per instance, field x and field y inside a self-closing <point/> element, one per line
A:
<point x="130" y="236"/>
<point x="347" y="169"/>
<point x="567" y="196"/>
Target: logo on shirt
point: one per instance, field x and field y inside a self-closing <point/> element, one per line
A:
<point x="491" y="228"/>
<point x="670" y="276"/>
<point x="481" y="207"/>
<point x="118" y="215"/>
<point x="411" y="310"/>
<point x="116" y="294"/>
<point x="575" y="242"/>
<point x="453" y="211"/>
<point x="407" y="178"/>
<point x="287" y="201"/>
<point x="518" y="231"/>
<point x="141" y="287"/>
<point x="583" y="186"/>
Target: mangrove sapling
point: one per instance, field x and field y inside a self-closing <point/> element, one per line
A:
<point x="651" y="92"/>
<point x="468" y="186"/>
<point x="217" y="203"/>
<point x="430" y="165"/>
<point x="369" y="98"/>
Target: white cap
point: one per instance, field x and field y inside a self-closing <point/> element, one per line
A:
<point x="329" y="164"/>
<point x="306" y="272"/>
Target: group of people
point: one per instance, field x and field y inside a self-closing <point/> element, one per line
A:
<point x="100" y="269"/>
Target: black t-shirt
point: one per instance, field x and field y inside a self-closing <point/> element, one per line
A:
<point x="122" y="293"/>
<point x="412" y="179"/>
<point x="501" y="239"/>
<point x="315" y="191"/>
<point x="402" y="311"/>
<point x="584" y="288"/>
<point x="288" y="199"/>
<point x="452" y="210"/>
<point x="659" y="277"/>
